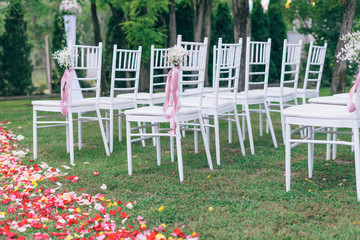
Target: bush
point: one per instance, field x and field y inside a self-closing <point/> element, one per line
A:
<point x="16" y="65"/>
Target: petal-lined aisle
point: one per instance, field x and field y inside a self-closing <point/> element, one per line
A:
<point x="36" y="211"/>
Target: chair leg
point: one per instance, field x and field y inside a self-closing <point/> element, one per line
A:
<point x="142" y="131"/>
<point x="67" y="135"/>
<point x="111" y="130"/>
<point x="282" y="120"/>
<point x="310" y="152"/>
<point x="179" y="154"/>
<point x="268" y="120"/>
<point x="334" y="153"/>
<point x="244" y="116"/>
<point x="79" y="131"/>
<point x="355" y="131"/>
<point x="251" y="139"/>
<point x="120" y="125"/>
<point x="260" y="120"/>
<point x="206" y="143"/>
<point x="287" y="157"/>
<point x="328" y="146"/>
<point x="35" y="134"/>
<point x="102" y="132"/>
<point x="71" y="138"/>
<point x="157" y="144"/>
<point x="207" y="128"/>
<point x="172" y="148"/>
<point x="107" y="127"/>
<point x="128" y="146"/>
<point x="217" y="138"/>
<point x="241" y="140"/>
<point x="230" y="129"/>
<point x="196" y="141"/>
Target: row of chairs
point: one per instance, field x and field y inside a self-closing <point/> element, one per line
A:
<point x="222" y="99"/>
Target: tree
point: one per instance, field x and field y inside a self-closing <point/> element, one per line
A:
<point x="277" y="31"/>
<point x="172" y="23"/>
<point x="58" y="42"/>
<point x="198" y="18"/>
<point x="16" y="53"/>
<point x="339" y="72"/>
<point x="259" y="23"/>
<point x="141" y="30"/>
<point x="241" y="30"/>
<point x="184" y="19"/>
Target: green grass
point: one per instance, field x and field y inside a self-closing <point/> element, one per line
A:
<point x="247" y="193"/>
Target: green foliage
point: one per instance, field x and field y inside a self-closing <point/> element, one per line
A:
<point x="58" y="42"/>
<point x="16" y="65"/>
<point x="184" y="19"/>
<point x="259" y="23"/>
<point x="141" y="27"/>
<point x="326" y="17"/>
<point x="277" y="31"/>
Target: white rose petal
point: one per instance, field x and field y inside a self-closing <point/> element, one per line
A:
<point x="103" y="187"/>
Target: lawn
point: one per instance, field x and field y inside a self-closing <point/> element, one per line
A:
<point x="244" y="198"/>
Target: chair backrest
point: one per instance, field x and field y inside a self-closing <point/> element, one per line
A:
<point x="86" y="58"/>
<point x="227" y="68"/>
<point x="257" y="65"/>
<point x="159" y="67"/>
<point x="314" y="67"/>
<point x="125" y="71"/>
<point x="290" y="66"/>
<point x="192" y="72"/>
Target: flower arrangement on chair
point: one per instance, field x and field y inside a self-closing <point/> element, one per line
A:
<point x="65" y="58"/>
<point x="175" y="56"/>
<point x="351" y="52"/>
<point x="70" y="7"/>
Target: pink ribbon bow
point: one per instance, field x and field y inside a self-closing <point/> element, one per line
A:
<point x="350" y="105"/>
<point x="65" y="84"/>
<point x="172" y="88"/>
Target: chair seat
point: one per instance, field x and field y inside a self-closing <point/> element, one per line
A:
<point x="302" y="91"/>
<point x="158" y="111"/>
<point x="276" y="91"/>
<point x="56" y="103"/>
<point x="206" y="90"/>
<point x="252" y="94"/>
<point x="207" y="102"/>
<point x="107" y="100"/>
<point x="333" y="100"/>
<point x="143" y="96"/>
<point x="319" y="111"/>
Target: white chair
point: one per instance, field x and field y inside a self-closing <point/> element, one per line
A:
<point x="226" y="80"/>
<point x="256" y="84"/>
<point x="81" y="63"/>
<point x="324" y="116"/>
<point x="313" y="73"/>
<point x="286" y="92"/>
<point x="192" y="72"/>
<point x="124" y="78"/>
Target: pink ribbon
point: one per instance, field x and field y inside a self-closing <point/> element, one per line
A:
<point x="172" y="88"/>
<point x="65" y="84"/>
<point x="350" y="105"/>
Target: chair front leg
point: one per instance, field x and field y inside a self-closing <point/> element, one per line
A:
<point x="102" y="132"/>
<point x="35" y="134"/>
<point x="287" y="156"/>
<point x="128" y="146"/>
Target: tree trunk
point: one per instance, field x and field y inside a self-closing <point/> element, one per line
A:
<point x="118" y="15"/>
<point x="198" y="10"/>
<point x="339" y="70"/>
<point x="207" y="33"/>
<point x="241" y="30"/>
<point x="95" y="21"/>
<point x="172" y="23"/>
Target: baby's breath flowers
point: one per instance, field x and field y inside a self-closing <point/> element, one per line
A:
<point x="176" y="55"/>
<point x="351" y="50"/>
<point x="70" y="7"/>
<point x="64" y="57"/>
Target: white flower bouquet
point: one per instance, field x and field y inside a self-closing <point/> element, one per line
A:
<point x="351" y="50"/>
<point x="176" y="55"/>
<point x="70" y="7"/>
<point x="64" y="57"/>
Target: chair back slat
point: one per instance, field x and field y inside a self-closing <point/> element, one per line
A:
<point x="125" y="71"/>
<point x="86" y="68"/>
<point x="314" y="67"/>
<point x="257" y="64"/>
<point x="290" y="67"/>
<point x="192" y="71"/>
<point x="159" y="67"/>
